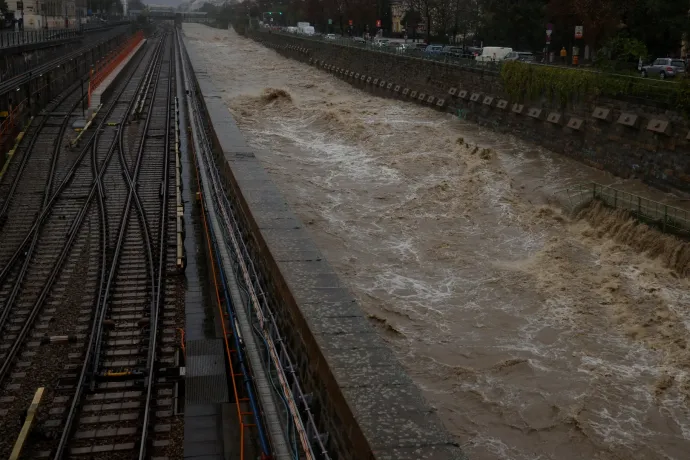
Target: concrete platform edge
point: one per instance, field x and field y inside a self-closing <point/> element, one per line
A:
<point x="106" y="87"/>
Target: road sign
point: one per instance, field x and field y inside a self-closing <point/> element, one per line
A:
<point x="578" y="31"/>
<point x="330" y="21"/>
<point x="378" y="23"/>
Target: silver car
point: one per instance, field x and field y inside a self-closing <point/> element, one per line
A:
<point x="665" y="68"/>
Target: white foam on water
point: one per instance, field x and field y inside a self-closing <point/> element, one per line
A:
<point x="343" y="161"/>
<point x="440" y="245"/>
<point x="405" y="248"/>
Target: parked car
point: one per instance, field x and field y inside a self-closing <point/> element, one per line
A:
<point x="665" y="68"/>
<point x="433" y="50"/>
<point x="402" y="48"/>
<point x="399" y="48"/>
<point x="453" y="51"/>
<point x="381" y="43"/>
<point x="330" y="37"/>
<point x="473" y="51"/>
<point x="494" y="53"/>
<point x="524" y="56"/>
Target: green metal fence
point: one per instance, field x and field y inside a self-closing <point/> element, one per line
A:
<point x="667" y="218"/>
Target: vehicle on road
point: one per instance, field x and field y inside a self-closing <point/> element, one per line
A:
<point x="664" y="68"/>
<point x="330" y="37"/>
<point x="381" y="43"/>
<point x="473" y="51"/>
<point x="494" y="54"/>
<point x="523" y="56"/>
<point x="401" y="48"/>
<point x="433" y="50"/>
<point x="453" y="51"/>
<point x="306" y="30"/>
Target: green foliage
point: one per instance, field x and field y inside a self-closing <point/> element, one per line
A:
<point x="411" y="18"/>
<point x="660" y="24"/>
<point x="565" y="86"/>
<point x="620" y="49"/>
<point x="235" y="14"/>
<point x="517" y="24"/>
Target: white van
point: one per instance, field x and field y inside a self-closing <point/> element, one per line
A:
<point x="494" y="54"/>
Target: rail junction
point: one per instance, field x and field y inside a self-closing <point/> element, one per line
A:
<point x="145" y="311"/>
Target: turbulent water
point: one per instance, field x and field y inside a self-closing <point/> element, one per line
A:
<point x="536" y="336"/>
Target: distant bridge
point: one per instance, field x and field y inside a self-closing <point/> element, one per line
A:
<point x="165" y="13"/>
<point x="196" y="16"/>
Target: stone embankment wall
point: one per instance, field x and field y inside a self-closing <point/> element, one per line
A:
<point x="624" y="137"/>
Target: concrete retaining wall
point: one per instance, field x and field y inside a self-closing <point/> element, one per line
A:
<point x="626" y="138"/>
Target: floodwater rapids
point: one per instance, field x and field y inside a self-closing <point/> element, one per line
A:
<point x="535" y="335"/>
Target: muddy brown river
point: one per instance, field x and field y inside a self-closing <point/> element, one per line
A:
<point x="535" y="335"/>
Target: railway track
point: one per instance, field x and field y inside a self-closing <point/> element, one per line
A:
<point x="84" y="316"/>
<point x="29" y="179"/>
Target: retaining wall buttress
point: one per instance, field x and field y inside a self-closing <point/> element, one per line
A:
<point x="624" y="137"/>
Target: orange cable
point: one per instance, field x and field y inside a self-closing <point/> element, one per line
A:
<point x="222" y="314"/>
<point x="184" y="351"/>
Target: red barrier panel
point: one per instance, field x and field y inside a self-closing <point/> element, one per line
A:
<point x="107" y="65"/>
<point x="9" y="125"/>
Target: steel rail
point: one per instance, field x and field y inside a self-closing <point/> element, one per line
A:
<point x="141" y="99"/>
<point x="4" y="368"/>
<point x="155" y="311"/>
<point x="68" y="177"/>
<point x="131" y="196"/>
<point x="29" y="149"/>
<point x="100" y="310"/>
<point x="46" y="193"/>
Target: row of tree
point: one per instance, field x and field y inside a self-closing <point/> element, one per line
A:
<point x="658" y="26"/>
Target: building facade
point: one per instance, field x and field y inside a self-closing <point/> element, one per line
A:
<point x="51" y="14"/>
<point x="397" y="13"/>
